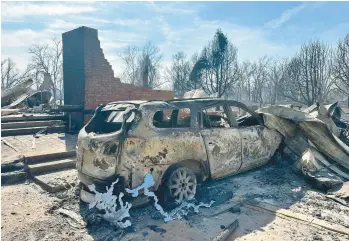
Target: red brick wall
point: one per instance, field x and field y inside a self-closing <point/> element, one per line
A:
<point x="100" y="84"/>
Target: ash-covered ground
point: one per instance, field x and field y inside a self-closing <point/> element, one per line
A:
<point x="29" y="213"/>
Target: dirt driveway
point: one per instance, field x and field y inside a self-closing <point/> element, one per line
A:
<point x="28" y="213"/>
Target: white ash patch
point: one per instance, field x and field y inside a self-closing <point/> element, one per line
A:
<point x="116" y="211"/>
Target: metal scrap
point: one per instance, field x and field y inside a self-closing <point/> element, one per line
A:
<point x="7" y="143"/>
<point x="8" y="96"/>
<point x="313" y="136"/>
<point x="227" y="231"/>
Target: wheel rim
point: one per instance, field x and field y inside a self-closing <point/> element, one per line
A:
<point x="182" y="185"/>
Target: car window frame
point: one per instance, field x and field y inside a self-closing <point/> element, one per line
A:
<point x="231" y="119"/>
<point x="246" y="109"/>
<point x="177" y="109"/>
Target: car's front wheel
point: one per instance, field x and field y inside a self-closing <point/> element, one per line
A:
<point x="181" y="185"/>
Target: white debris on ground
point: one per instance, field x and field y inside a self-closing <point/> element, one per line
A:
<point x="184" y="208"/>
<point x="149" y="182"/>
<point x="108" y="202"/>
<point x="178" y="212"/>
<point x="116" y="210"/>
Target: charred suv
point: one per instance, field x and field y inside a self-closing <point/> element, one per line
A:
<point x="181" y="142"/>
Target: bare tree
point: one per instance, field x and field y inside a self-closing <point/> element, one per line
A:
<point x="131" y="71"/>
<point x="217" y="65"/>
<point x="178" y="73"/>
<point x="194" y="58"/>
<point x="10" y="75"/>
<point x="260" y="77"/>
<point x="182" y="73"/>
<point x="243" y="85"/>
<point x="149" y="63"/>
<point x="277" y="72"/>
<point x="142" y="66"/>
<point x="309" y="75"/>
<point x="47" y="58"/>
<point x="341" y="65"/>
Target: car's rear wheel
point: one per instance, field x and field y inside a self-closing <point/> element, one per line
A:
<point x="180" y="186"/>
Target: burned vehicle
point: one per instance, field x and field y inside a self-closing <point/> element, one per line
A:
<point x="180" y="142"/>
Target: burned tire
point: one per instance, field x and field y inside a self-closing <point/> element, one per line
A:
<point x="180" y="185"/>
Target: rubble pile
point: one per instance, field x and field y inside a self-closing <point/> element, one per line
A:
<point x="317" y="137"/>
<point x="23" y="99"/>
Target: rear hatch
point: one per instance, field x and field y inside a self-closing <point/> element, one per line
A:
<point x="100" y="141"/>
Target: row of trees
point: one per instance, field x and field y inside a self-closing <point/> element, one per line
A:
<point x="308" y="76"/>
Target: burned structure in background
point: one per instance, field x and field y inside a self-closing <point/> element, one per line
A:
<point x="89" y="78"/>
<point x="23" y="96"/>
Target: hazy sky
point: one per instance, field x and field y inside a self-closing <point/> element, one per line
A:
<point x="256" y="28"/>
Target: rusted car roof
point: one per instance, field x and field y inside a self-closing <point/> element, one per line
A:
<point x="199" y="101"/>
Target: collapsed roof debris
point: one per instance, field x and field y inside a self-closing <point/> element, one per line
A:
<point x="315" y="135"/>
<point x="8" y="96"/>
<point x="31" y="100"/>
<point x="315" y="167"/>
<point x="22" y="97"/>
<point x="25" y="99"/>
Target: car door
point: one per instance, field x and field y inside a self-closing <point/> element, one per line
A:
<point x="222" y="142"/>
<point x="255" y="150"/>
<point x="257" y="141"/>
